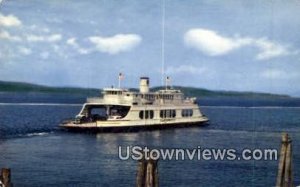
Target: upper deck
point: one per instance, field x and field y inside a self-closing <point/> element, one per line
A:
<point x="126" y="97"/>
<point x="119" y="96"/>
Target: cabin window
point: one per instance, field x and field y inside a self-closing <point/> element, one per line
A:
<point x="141" y="114"/>
<point x="187" y="112"/>
<point x="167" y="114"/>
<point x="173" y="113"/>
<point x="147" y="114"/>
<point x="151" y="114"/>
<point x="161" y="114"/>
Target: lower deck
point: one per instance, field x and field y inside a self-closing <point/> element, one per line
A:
<point x="113" y="127"/>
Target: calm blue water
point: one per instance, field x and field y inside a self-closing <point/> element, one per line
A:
<point x="40" y="154"/>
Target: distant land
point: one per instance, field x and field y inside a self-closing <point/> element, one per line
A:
<point x="6" y="86"/>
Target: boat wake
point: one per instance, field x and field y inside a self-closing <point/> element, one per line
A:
<point x="37" y="134"/>
<point x="28" y="133"/>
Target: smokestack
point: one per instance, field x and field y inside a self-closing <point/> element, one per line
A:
<point x="144" y="84"/>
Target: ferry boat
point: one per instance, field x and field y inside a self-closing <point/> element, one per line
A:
<point x="120" y="109"/>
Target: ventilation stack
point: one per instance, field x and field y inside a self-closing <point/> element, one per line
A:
<point x="144" y="84"/>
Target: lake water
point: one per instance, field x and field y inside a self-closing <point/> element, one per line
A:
<point x="41" y="154"/>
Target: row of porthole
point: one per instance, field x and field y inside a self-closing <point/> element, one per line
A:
<point x="149" y="114"/>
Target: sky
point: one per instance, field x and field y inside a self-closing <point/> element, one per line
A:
<point x="246" y="45"/>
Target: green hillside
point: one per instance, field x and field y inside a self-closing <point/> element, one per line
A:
<point x="192" y="92"/>
<point x="189" y="91"/>
<point x="27" y="87"/>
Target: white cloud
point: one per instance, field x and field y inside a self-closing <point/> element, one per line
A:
<point x="41" y="38"/>
<point x="185" y="69"/>
<point x="115" y="44"/>
<point x="73" y="42"/>
<point x="211" y="43"/>
<point x="269" y="49"/>
<point x="111" y="45"/>
<point x="9" y="21"/>
<point x="214" y="44"/>
<point x="7" y="36"/>
<point x="278" y="74"/>
<point x="25" y="51"/>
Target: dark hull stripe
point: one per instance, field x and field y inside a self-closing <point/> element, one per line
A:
<point x="134" y="128"/>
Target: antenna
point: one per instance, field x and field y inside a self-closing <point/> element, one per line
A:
<point x="163" y="43"/>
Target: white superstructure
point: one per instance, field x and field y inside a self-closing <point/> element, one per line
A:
<point x="121" y="108"/>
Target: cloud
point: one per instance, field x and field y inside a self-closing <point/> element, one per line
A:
<point x="270" y="49"/>
<point x="41" y="38"/>
<point x="115" y="44"/>
<point x="213" y="44"/>
<point x="111" y="45"/>
<point x="7" y="36"/>
<point x="278" y="74"/>
<point x="73" y="42"/>
<point x="25" y="51"/>
<point x="185" y="69"/>
<point x="9" y="21"/>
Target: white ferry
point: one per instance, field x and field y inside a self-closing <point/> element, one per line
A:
<point x="121" y="109"/>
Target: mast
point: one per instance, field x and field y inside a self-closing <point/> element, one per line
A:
<point x="163" y="43"/>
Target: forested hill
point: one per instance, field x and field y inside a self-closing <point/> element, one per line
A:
<point x="28" y="87"/>
<point x="6" y="86"/>
<point x="191" y="91"/>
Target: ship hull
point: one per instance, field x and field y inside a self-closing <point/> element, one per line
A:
<point x="90" y="128"/>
